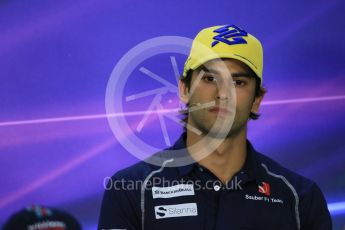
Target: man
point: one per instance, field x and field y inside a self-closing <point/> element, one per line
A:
<point x="36" y="217"/>
<point x="227" y="184"/>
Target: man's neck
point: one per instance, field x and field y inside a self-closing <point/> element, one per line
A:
<point x="227" y="159"/>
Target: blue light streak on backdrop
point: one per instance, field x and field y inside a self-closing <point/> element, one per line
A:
<point x="56" y="58"/>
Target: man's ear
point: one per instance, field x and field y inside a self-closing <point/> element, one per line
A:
<point x="183" y="92"/>
<point x="256" y="104"/>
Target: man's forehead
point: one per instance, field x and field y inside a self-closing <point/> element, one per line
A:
<point x="225" y="66"/>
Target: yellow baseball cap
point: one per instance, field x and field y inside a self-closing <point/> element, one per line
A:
<point x="227" y="41"/>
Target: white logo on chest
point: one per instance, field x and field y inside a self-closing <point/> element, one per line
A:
<point x="173" y="191"/>
<point x="178" y="210"/>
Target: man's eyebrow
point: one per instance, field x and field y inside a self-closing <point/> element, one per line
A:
<point x="215" y="71"/>
<point x="209" y="70"/>
<point x="241" y="74"/>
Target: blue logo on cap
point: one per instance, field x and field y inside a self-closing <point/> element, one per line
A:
<point x="230" y="34"/>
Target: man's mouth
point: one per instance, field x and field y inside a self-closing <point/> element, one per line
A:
<point x="219" y="110"/>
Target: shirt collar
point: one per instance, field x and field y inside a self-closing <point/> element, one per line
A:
<point x="181" y="145"/>
<point x="251" y="165"/>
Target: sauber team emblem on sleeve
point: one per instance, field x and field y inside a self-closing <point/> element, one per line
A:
<point x="265" y="189"/>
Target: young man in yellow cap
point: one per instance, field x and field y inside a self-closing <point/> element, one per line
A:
<point x="212" y="178"/>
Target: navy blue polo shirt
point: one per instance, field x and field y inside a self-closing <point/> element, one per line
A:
<point x="262" y="195"/>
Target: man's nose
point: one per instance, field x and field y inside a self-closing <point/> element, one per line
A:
<point x="224" y="90"/>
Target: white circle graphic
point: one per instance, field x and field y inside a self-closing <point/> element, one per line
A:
<point x="125" y="134"/>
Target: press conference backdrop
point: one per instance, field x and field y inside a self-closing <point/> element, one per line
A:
<point x="56" y="58"/>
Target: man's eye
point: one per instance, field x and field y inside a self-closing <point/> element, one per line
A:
<point x="209" y="78"/>
<point x="239" y="83"/>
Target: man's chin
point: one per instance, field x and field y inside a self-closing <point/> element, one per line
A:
<point x="218" y="132"/>
<point x="222" y="131"/>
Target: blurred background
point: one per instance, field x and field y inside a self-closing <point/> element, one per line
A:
<point x="56" y="57"/>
